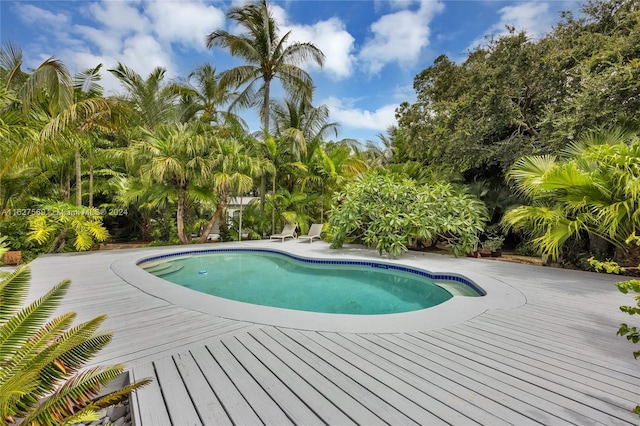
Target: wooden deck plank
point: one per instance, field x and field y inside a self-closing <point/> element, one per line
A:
<point x="494" y="412"/>
<point x="151" y="404"/>
<point x="607" y="380"/>
<point x="179" y="404"/>
<point x="383" y="401"/>
<point x="235" y="405"/>
<point x="552" y="387"/>
<point x="259" y="400"/>
<point x="562" y="347"/>
<point x="510" y="407"/>
<point x="561" y="376"/>
<point x="256" y="365"/>
<point x="205" y="401"/>
<point x="316" y="401"/>
<point x="420" y="391"/>
<point x="327" y="384"/>
<point x="526" y="393"/>
<point x="554" y="360"/>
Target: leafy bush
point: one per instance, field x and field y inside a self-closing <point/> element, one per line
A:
<point x="392" y="213"/>
<point x="40" y="382"/>
<point x="60" y="222"/>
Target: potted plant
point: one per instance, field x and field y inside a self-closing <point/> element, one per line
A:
<point x="494" y="246"/>
<point x="9" y="257"/>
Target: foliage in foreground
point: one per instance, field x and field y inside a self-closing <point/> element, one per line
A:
<point x="631" y="333"/>
<point x="391" y="214"/>
<point x="40" y="361"/>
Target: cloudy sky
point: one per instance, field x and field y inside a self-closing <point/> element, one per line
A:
<point x="373" y="48"/>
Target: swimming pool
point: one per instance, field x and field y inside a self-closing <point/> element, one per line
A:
<point x="270" y="278"/>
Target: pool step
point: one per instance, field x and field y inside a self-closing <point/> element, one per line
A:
<point x="457" y="289"/>
<point x="159" y="267"/>
<point x="172" y="269"/>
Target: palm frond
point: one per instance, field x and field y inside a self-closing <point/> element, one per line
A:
<point x="13" y="292"/>
<point x="19" y="328"/>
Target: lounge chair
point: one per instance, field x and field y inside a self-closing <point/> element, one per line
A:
<point x="289" y="231"/>
<point x="314" y="232"/>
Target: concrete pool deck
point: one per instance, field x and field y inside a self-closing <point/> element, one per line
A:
<point x="542" y="350"/>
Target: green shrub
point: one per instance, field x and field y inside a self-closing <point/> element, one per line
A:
<point x="393" y="213"/>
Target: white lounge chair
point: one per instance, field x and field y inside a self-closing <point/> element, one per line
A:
<point x="289" y="231"/>
<point x="314" y="232"/>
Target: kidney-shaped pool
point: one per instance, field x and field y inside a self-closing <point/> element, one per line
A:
<point x="276" y="279"/>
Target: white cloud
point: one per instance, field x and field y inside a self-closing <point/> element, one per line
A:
<point x="140" y="34"/>
<point x="399" y="37"/>
<point x="333" y="40"/>
<point x="119" y="18"/>
<point x="34" y="15"/>
<point x="330" y="36"/>
<point x="185" y="23"/>
<point x="534" y="18"/>
<point x="343" y="112"/>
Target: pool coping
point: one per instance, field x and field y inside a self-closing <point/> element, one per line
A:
<point x="499" y="295"/>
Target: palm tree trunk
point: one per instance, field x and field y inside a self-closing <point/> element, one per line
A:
<point x="223" y="199"/>
<point x="91" y="186"/>
<point x="273" y="205"/>
<point x="180" y="215"/>
<point x="263" y="190"/>
<point x="240" y="222"/>
<point x="78" y="177"/>
<point x="67" y="187"/>
<point x="265" y="118"/>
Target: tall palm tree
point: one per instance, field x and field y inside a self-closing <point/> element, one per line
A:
<point x="268" y="57"/>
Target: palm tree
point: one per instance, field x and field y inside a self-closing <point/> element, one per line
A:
<point x="178" y="154"/>
<point x="152" y="101"/>
<point x="593" y="190"/>
<point x="268" y="57"/>
<point x="202" y="95"/>
<point x="235" y="165"/>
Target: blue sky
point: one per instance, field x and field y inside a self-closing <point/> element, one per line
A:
<point x="373" y="48"/>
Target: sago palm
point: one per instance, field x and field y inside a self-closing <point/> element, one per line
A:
<point x="42" y="380"/>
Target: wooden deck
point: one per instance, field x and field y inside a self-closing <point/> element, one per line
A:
<point x="555" y="360"/>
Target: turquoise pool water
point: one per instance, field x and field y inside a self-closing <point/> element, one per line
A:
<point x="277" y="280"/>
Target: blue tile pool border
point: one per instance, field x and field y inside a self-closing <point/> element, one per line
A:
<point x="388" y="266"/>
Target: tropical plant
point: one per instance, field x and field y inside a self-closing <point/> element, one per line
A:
<point x="235" y="164"/>
<point x="41" y="382"/>
<point x="179" y="155"/>
<point x="268" y="57"/>
<point x="391" y="213"/>
<point x="203" y="96"/>
<point x="592" y="191"/>
<point x="56" y="223"/>
<point x="152" y="101"/>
